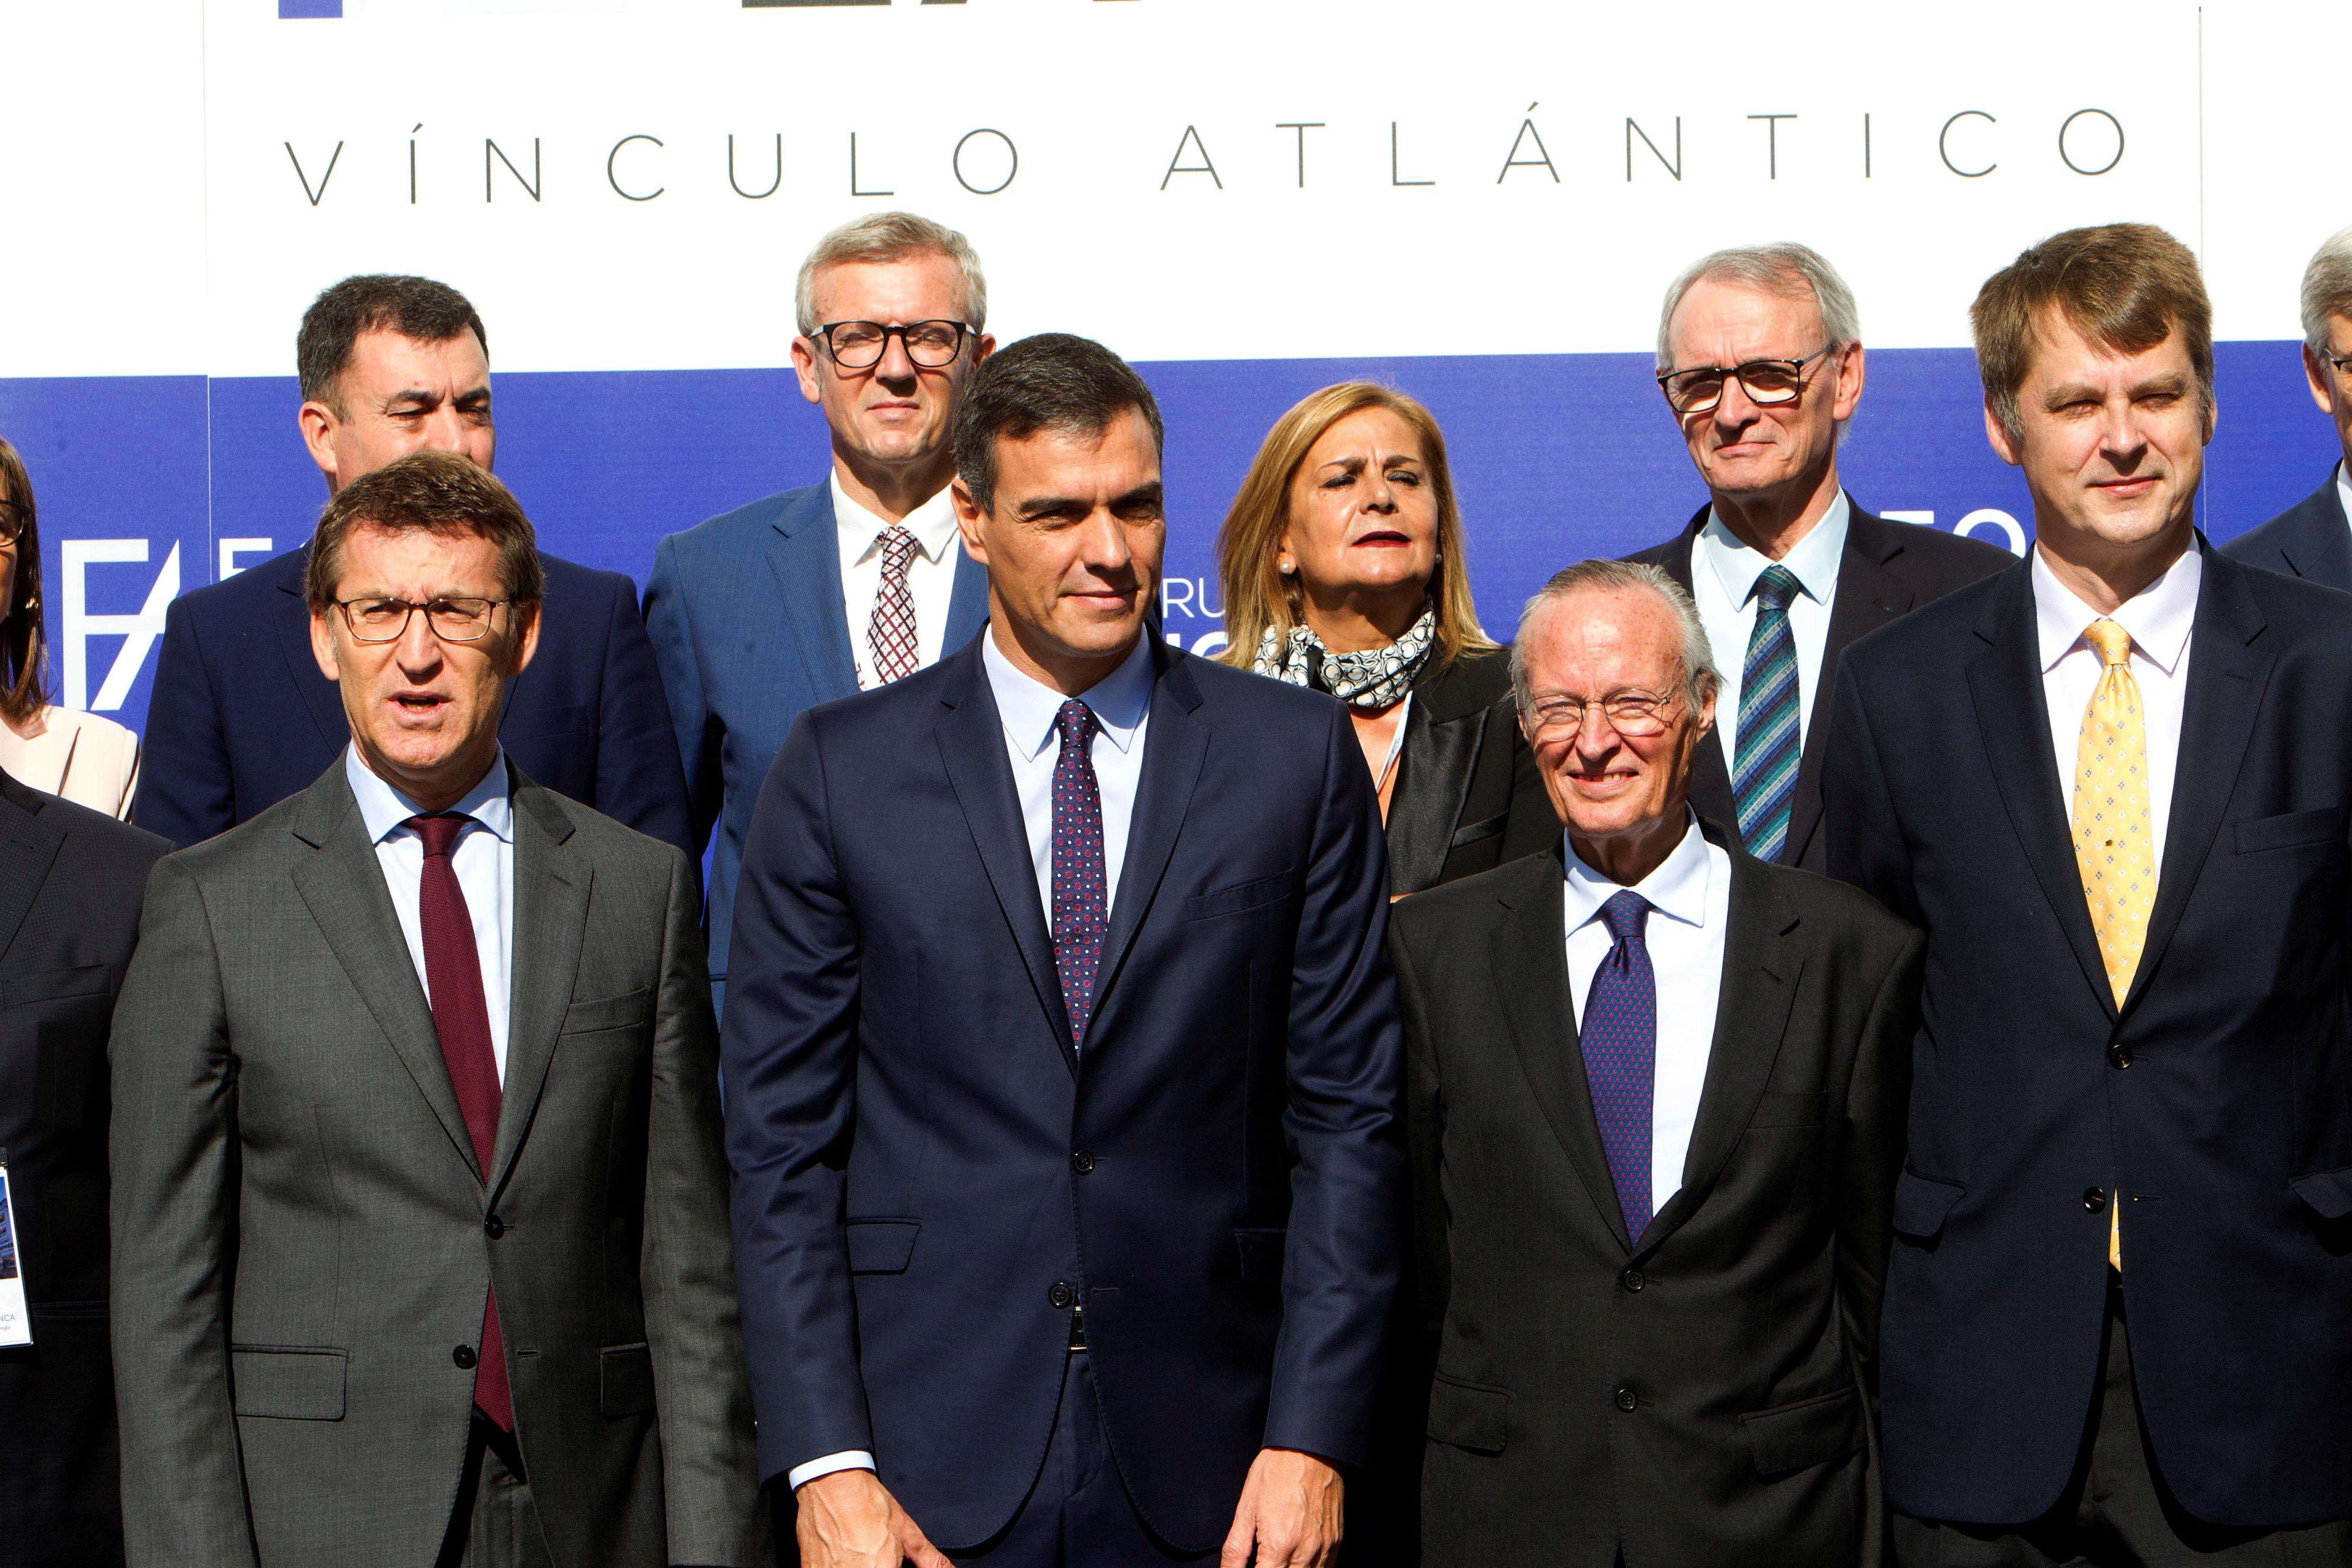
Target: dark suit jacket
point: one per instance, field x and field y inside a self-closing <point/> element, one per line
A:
<point x="748" y="627"/>
<point x="2310" y="540"/>
<point x="922" y="1164"/>
<point x="1467" y="794"/>
<point x="1743" y="1323"/>
<point x="1887" y="570"/>
<point x="240" y="717"/>
<point x="2218" y="1098"/>
<point x="70" y="883"/>
<point x="302" y="1233"/>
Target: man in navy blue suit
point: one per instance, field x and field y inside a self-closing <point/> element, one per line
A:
<point x="846" y="585"/>
<point x="240" y="717"/>
<point x="2313" y="538"/>
<point x="2111" y="785"/>
<point x="1062" y="1057"/>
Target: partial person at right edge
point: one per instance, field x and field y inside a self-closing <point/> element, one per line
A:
<point x="1759" y="355"/>
<point x="2313" y="538"/>
<point x="239" y="719"/>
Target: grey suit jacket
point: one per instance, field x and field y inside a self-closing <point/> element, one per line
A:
<point x="302" y="1235"/>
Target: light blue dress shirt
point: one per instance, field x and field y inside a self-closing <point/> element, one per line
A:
<point x="484" y="859"/>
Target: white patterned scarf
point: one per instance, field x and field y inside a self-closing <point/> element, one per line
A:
<point x="1372" y="679"/>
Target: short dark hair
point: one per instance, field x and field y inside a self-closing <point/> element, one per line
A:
<point x="24" y="662"/>
<point x="428" y="491"/>
<point x="1055" y="382"/>
<point x="415" y="307"/>
<point x="2124" y="287"/>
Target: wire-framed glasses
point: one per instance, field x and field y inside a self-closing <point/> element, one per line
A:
<point x="1631" y="713"/>
<point x="12" y="522"/>
<point x="452" y="620"/>
<point x="1699" y="390"/>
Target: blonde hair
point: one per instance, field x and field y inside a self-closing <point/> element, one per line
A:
<point x="884" y="237"/>
<point x="1256" y="594"/>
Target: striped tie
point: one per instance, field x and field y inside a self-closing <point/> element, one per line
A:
<point x="1764" y="772"/>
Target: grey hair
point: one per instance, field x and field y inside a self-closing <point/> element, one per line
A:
<point x="1617" y="576"/>
<point x="2327" y="288"/>
<point x="1788" y="269"/>
<point x="890" y="236"/>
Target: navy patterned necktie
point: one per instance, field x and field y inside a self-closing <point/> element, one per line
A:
<point x="1764" y="772"/>
<point x="1081" y="904"/>
<point x="1620" y="1042"/>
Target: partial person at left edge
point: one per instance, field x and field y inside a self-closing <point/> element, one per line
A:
<point x="239" y="719"/>
<point x="78" y="757"/>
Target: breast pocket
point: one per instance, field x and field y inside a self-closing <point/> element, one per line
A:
<point x="2293" y="830"/>
<point x="1242" y="895"/>
<point x="597" y="1014"/>
<point x="58" y="1021"/>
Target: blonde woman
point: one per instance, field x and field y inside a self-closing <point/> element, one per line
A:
<point x="87" y="759"/>
<point x="1342" y="569"/>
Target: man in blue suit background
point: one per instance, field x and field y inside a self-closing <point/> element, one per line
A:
<point x="815" y="593"/>
<point x="2313" y="538"/>
<point x="240" y="717"/>
<point x="1062" y="1057"/>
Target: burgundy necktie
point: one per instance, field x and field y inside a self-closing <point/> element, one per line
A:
<point x="1081" y="904"/>
<point x="453" y="975"/>
<point x="890" y="637"/>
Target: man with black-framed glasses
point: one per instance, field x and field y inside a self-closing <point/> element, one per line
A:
<point x="817" y="593"/>
<point x="1760" y="362"/>
<point x="2313" y="538"/>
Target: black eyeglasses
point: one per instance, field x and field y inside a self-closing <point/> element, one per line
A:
<point x="385" y="620"/>
<point x="2338" y="361"/>
<point x="13" y="518"/>
<point x="1765" y="381"/>
<point x="860" y="345"/>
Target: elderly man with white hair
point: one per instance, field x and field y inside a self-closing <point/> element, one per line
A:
<point x="2313" y="538"/>
<point x="1760" y="358"/>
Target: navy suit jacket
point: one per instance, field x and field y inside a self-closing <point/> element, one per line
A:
<point x="2310" y="540"/>
<point x="748" y="627"/>
<point x="2218" y="1098"/>
<point x="925" y="1170"/>
<point x="241" y="718"/>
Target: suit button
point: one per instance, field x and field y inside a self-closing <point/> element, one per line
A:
<point x="2120" y="1057"/>
<point x="464" y="1356"/>
<point x="2095" y="1198"/>
<point x="1626" y="1400"/>
<point x="1082" y="1162"/>
<point x="1633" y="1279"/>
<point x="1061" y="1295"/>
<point x="494" y="1228"/>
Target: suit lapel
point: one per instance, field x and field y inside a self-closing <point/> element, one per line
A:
<point x="1870" y="593"/>
<point x="1439" y="745"/>
<point x="29" y="841"/>
<point x="1710" y="785"/>
<point x="319" y="696"/>
<point x="2319" y="549"/>
<point x="1530" y="972"/>
<point x="2227" y="675"/>
<point x="1175" y="744"/>
<point x="805" y="557"/>
<point x="2013" y="718"/>
<point x="343" y="887"/>
<point x="550" y="918"/>
<point x="970" y="734"/>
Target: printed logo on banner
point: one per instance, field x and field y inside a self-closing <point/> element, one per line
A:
<point x="288" y="10"/>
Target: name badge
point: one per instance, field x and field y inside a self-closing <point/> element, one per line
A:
<point x="16" y="1321"/>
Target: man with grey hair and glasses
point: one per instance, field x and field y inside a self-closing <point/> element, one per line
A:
<point x="1655" y="1090"/>
<point x="2313" y="538"/>
<point x="846" y="585"/>
<point x="1760" y="360"/>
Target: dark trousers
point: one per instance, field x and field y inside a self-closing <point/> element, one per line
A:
<point x="1077" y="1515"/>
<point x="493" y="1524"/>
<point x="2117" y="1512"/>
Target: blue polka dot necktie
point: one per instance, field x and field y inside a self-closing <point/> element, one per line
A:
<point x="1764" y="769"/>
<point x="1081" y="902"/>
<point x="1620" y="1042"/>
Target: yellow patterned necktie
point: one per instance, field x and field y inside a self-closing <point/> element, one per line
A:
<point x="2115" y="842"/>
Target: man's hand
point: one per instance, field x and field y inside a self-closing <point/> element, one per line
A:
<point x="850" y="1520"/>
<point x="1290" y="1512"/>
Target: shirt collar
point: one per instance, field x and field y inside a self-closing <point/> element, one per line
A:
<point x="1812" y="561"/>
<point x="2159" y="617"/>
<point x="933" y="524"/>
<point x="1031" y="708"/>
<point x="385" y="810"/>
<point x="2344" y="486"/>
<point x="1677" y="889"/>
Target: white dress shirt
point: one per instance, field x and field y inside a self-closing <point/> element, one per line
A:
<point x="930" y="575"/>
<point x="2159" y="618"/>
<point x="484" y="859"/>
<point x="1690" y="899"/>
<point x="2343" y="489"/>
<point x="1030" y="710"/>
<point x="1723" y="580"/>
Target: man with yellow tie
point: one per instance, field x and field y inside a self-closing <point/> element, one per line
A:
<point x="2110" y="783"/>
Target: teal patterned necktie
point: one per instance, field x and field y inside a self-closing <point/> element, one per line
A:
<point x="1764" y="772"/>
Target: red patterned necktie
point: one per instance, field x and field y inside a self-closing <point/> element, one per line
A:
<point x="1081" y="906"/>
<point x="453" y="975"/>
<point x="891" y="636"/>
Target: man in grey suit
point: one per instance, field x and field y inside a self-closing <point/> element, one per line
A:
<point x="420" y="1212"/>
